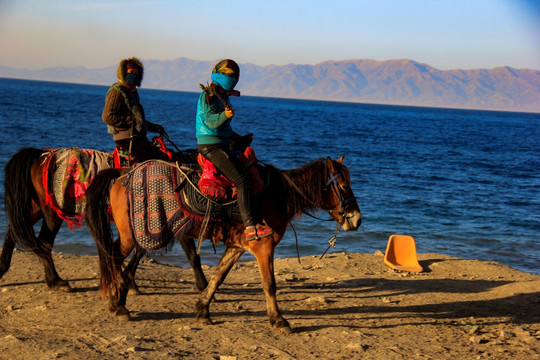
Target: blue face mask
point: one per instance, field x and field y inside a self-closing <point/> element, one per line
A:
<point x="132" y="79"/>
<point x="227" y="82"/>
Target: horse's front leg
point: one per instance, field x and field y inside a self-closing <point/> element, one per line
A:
<point x="229" y="258"/>
<point x="264" y="253"/>
<point x="188" y="244"/>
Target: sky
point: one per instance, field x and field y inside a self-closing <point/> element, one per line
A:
<point x="451" y="34"/>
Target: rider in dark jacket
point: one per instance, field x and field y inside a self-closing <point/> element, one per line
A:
<point x="124" y="115"/>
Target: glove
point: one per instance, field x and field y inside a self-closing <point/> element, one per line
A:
<point x="229" y="112"/>
<point x="159" y="129"/>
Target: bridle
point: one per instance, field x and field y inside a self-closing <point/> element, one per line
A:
<point x="333" y="183"/>
<point x="343" y="203"/>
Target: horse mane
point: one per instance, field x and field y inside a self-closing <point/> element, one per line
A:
<point x="311" y="178"/>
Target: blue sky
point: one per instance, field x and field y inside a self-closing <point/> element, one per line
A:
<point x="452" y="34"/>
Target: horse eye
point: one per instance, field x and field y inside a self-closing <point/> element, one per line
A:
<point x="345" y="187"/>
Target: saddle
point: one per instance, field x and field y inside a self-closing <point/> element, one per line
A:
<point x="215" y="195"/>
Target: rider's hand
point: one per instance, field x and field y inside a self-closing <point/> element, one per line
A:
<point x="159" y="129"/>
<point x="229" y="112"/>
<point x="248" y="139"/>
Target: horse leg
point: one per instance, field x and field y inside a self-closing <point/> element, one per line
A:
<point x="7" y="252"/>
<point x="188" y="244"/>
<point x="131" y="268"/>
<point x="117" y="301"/>
<point x="264" y="253"/>
<point x="49" y="228"/>
<point x="229" y="258"/>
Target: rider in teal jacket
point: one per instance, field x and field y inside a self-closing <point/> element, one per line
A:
<point x="214" y="134"/>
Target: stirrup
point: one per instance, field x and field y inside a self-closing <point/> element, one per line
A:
<point x="264" y="230"/>
<point x="251" y="235"/>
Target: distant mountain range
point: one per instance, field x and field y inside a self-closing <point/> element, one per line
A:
<point x="397" y="82"/>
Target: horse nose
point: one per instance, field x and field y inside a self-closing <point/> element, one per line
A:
<point x="353" y="222"/>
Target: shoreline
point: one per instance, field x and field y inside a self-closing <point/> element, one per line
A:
<point x="349" y="305"/>
<point x="177" y="257"/>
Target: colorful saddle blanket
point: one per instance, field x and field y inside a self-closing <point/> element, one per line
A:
<point x="214" y="184"/>
<point x="67" y="173"/>
<point x="156" y="216"/>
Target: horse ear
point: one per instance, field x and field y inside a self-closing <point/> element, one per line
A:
<point x="330" y="163"/>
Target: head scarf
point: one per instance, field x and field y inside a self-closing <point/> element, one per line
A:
<point x="121" y="72"/>
<point x="226" y="73"/>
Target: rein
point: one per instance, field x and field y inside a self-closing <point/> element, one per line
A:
<point x="331" y="241"/>
<point x="166" y="136"/>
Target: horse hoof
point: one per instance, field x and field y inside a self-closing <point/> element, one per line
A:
<point x="285" y="330"/>
<point x="122" y="315"/>
<point x="204" y="321"/>
<point x="63" y="287"/>
<point x="124" y="318"/>
<point x="281" y="327"/>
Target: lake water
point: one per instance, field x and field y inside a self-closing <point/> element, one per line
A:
<point x="461" y="182"/>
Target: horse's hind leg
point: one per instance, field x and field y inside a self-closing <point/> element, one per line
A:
<point x="188" y="244"/>
<point x="49" y="228"/>
<point x="131" y="268"/>
<point x="229" y="258"/>
<point x="117" y="301"/>
<point x="7" y="252"/>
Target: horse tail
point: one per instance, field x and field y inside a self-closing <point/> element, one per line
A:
<point x="98" y="224"/>
<point x="19" y="194"/>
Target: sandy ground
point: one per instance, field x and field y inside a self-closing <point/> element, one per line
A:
<point x="350" y="306"/>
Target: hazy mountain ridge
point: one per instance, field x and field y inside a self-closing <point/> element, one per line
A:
<point x="400" y="82"/>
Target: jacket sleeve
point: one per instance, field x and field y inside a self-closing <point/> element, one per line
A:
<point x="213" y="117"/>
<point x="115" y="112"/>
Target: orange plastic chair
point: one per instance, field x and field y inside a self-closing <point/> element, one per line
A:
<point x="401" y="254"/>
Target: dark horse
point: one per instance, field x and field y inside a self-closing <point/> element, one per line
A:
<point x="26" y="204"/>
<point x="322" y="184"/>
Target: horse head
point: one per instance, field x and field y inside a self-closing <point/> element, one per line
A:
<point x="338" y="196"/>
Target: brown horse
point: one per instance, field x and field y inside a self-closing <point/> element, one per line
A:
<point x="322" y="184"/>
<point x="25" y="200"/>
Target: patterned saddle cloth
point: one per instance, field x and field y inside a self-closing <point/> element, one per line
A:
<point x="163" y="202"/>
<point x="154" y="204"/>
<point x="67" y="173"/>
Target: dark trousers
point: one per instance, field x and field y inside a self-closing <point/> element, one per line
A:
<point x="236" y="173"/>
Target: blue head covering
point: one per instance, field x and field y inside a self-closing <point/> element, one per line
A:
<point x="227" y="82"/>
<point x="226" y="73"/>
